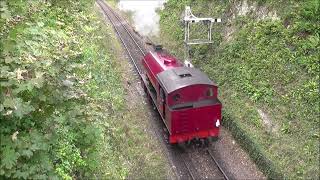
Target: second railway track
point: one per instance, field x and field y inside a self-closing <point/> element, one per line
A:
<point x="136" y="51"/>
<point x="201" y="163"/>
<point x="224" y="174"/>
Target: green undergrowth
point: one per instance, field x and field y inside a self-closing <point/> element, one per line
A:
<point x="265" y="59"/>
<point x="63" y="108"/>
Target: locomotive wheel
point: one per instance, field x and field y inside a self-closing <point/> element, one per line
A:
<point x="202" y="142"/>
<point x="206" y="142"/>
<point x="181" y="145"/>
<point x="188" y="143"/>
<point x="198" y="142"/>
<point x="145" y="89"/>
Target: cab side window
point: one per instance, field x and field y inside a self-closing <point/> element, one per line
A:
<point x="210" y="92"/>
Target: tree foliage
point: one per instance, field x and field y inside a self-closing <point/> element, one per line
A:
<point x="51" y="72"/>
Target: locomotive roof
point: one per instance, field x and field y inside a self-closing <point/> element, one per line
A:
<point x="177" y="78"/>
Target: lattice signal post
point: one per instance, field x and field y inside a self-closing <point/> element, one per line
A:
<point x="189" y="19"/>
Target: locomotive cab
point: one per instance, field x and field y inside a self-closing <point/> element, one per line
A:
<point x="188" y="104"/>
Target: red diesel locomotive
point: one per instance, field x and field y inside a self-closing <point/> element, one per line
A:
<point x="185" y="97"/>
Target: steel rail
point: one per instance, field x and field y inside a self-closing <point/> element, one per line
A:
<point x="120" y="37"/>
<point x="188" y="168"/>
<point x="218" y="165"/>
<point x="129" y="33"/>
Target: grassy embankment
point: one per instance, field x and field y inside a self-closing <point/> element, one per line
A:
<point x="63" y="112"/>
<point x="265" y="60"/>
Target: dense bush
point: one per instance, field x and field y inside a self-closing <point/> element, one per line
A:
<point x="54" y="115"/>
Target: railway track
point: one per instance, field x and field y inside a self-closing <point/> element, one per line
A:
<point x="135" y="52"/>
<point x="195" y="169"/>
<point x="225" y="176"/>
<point x="190" y="167"/>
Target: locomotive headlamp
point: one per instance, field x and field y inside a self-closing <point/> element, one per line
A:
<point x="218" y="123"/>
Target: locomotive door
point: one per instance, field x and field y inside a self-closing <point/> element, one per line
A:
<point x="162" y="103"/>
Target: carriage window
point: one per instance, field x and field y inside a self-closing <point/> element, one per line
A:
<point x="176" y="97"/>
<point x="210" y="92"/>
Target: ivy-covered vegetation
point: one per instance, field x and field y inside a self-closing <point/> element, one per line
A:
<point x="62" y="109"/>
<point x="265" y="60"/>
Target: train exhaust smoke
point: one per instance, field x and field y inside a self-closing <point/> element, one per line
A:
<point x="144" y="15"/>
